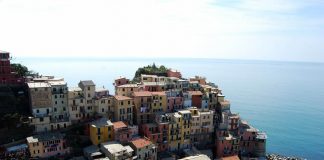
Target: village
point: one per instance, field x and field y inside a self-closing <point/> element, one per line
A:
<point x="160" y="116"/>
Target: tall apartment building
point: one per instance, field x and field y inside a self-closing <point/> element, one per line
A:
<point x="49" y="104"/>
<point x="123" y="109"/>
<point x="88" y="89"/>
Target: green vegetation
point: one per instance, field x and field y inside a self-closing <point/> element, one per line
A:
<point x="150" y="70"/>
<point x="23" y="70"/>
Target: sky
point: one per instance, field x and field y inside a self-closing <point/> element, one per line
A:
<point x="288" y="30"/>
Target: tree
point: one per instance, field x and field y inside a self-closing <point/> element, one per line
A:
<point x="20" y="69"/>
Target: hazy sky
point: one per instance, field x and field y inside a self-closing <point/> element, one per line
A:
<point x="241" y="29"/>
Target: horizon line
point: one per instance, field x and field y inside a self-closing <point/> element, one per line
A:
<point x="104" y="58"/>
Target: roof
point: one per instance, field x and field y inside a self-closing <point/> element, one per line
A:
<point x="196" y="157"/>
<point x="101" y="122"/>
<point x="230" y="158"/>
<point x="121" y="98"/>
<point x="185" y="111"/>
<point x="101" y="89"/>
<point x="75" y="89"/>
<point x="142" y="94"/>
<point x="162" y="93"/>
<point x="128" y="86"/>
<point x="38" y="85"/>
<point x="17" y="147"/>
<point x="195" y="93"/>
<point x="87" y="83"/>
<point x="119" y="124"/>
<point x="114" y="147"/>
<point x="92" y="150"/>
<point x="57" y="83"/>
<point x="120" y="77"/>
<point x="45" y="137"/>
<point x="141" y="142"/>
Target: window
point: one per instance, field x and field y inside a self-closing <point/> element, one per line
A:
<point x="64" y="109"/>
<point x="88" y="95"/>
<point x="55" y="102"/>
<point x="88" y="88"/>
<point x="121" y="103"/>
<point x="37" y="111"/>
<point x="41" y="119"/>
<point x="62" y="102"/>
<point x="128" y="102"/>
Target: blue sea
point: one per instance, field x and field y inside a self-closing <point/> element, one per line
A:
<point x="284" y="99"/>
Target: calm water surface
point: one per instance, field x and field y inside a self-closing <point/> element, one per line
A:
<point x="285" y="99"/>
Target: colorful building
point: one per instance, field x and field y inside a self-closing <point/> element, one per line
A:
<point x="123" y="109"/>
<point x="123" y="133"/>
<point x="47" y="145"/>
<point x="174" y="73"/>
<point x="101" y="131"/>
<point x="175" y="101"/>
<point x="127" y="89"/>
<point x="202" y="128"/>
<point x="143" y="107"/>
<point x="144" y="149"/>
<point x="196" y="97"/>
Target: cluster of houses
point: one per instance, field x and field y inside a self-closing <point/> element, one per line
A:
<point x="160" y="117"/>
<point x="145" y="120"/>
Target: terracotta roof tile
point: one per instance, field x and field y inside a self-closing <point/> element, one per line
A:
<point x="119" y="124"/>
<point x="231" y="158"/>
<point x="141" y="142"/>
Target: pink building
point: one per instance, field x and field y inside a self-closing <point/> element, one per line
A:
<point x="123" y="133"/>
<point x="47" y="145"/>
<point x="157" y="133"/>
<point x="252" y="141"/>
<point x="175" y="101"/>
<point x="173" y="73"/>
<point x="226" y="144"/>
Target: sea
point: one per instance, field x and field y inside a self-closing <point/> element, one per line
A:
<point x="284" y="99"/>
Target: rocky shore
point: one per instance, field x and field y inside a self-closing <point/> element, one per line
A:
<point x="280" y="157"/>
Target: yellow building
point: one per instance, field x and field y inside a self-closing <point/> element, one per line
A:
<point x="186" y="126"/>
<point x="101" y="131"/>
<point x="123" y="109"/>
<point x="159" y="102"/>
<point x="175" y="131"/>
<point x="202" y="127"/>
<point x="127" y="90"/>
<point x="142" y="102"/>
